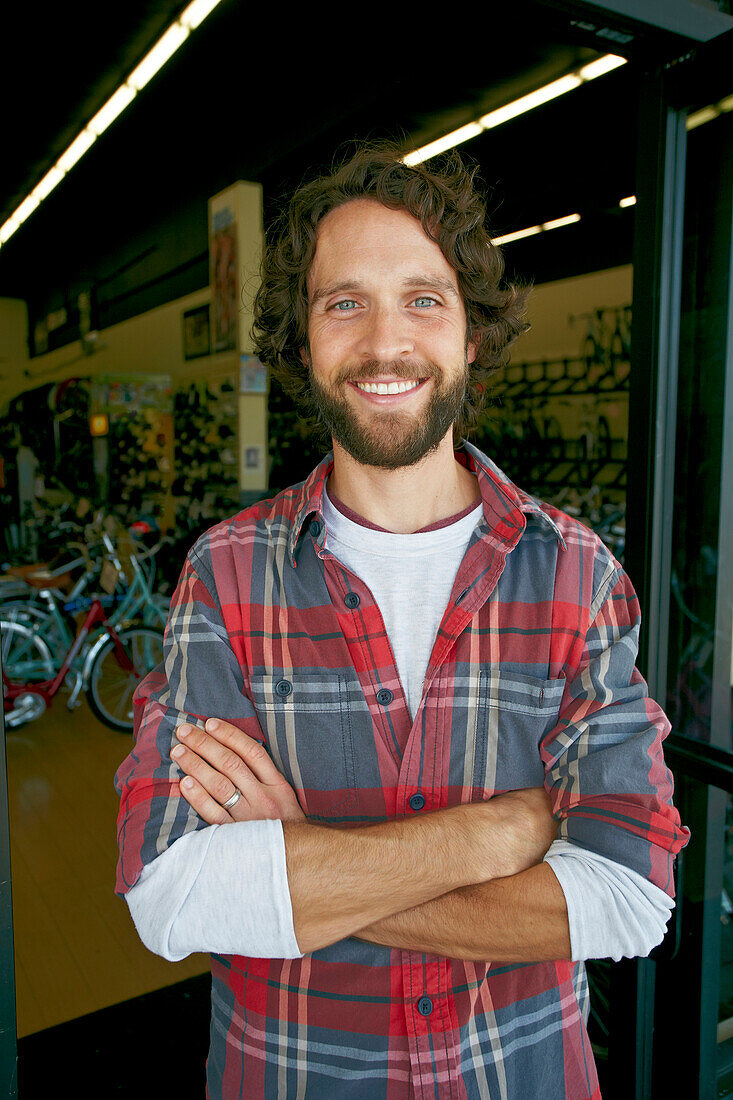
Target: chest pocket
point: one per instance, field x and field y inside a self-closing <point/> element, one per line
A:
<point x="319" y="732"/>
<point x="513" y="714"/>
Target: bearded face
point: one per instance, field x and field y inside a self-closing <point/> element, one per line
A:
<point x="388" y="351"/>
<point x="389" y="438"/>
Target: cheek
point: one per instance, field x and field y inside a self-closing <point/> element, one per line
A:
<point x="329" y="342"/>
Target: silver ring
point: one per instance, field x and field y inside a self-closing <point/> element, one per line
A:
<point x="232" y="801"/>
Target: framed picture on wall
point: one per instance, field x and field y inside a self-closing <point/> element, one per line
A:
<point x="196" y="332"/>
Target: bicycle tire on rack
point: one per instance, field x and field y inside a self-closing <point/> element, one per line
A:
<point x="110" y="688"/>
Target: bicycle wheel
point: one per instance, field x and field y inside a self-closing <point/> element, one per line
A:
<point x="111" y="687"/>
<point x="26" y="657"/>
<point x="57" y="632"/>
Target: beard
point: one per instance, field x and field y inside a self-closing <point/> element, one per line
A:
<point x="387" y="439"/>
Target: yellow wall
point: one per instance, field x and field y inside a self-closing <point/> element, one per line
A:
<point x="151" y="343"/>
<point x="13" y="349"/>
<point x="552" y="305"/>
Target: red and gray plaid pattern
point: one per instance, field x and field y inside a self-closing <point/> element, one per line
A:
<point x="531" y="680"/>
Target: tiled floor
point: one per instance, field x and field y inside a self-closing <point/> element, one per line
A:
<point x="76" y="949"/>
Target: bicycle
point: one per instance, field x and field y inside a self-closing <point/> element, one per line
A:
<point x="606" y="351"/>
<point x="111" y="668"/>
<point x="117" y="581"/>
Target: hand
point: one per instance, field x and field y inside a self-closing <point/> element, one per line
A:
<point x="224" y="760"/>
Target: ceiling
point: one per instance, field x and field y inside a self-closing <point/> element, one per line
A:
<point x="255" y="94"/>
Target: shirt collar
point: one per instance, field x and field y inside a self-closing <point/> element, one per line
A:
<point x="488" y="472"/>
<point x="505" y="504"/>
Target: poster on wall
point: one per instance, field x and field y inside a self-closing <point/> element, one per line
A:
<point x="122" y="395"/>
<point x="223" y="255"/>
<point x="252" y="375"/>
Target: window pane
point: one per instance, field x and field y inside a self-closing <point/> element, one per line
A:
<point x="697" y="568"/>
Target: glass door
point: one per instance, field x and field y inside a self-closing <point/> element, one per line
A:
<point x="694" y="968"/>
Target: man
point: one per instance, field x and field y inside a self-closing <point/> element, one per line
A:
<point x="430" y="781"/>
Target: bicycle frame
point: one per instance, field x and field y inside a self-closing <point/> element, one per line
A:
<point x="137" y="598"/>
<point x="47" y="689"/>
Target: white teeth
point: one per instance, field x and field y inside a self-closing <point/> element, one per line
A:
<point x="387" y="387"/>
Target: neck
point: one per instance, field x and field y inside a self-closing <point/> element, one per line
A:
<point x="407" y="499"/>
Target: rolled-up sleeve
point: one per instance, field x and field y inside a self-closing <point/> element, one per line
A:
<point x="200" y="677"/>
<point x="605" y="772"/>
<point x="223" y="889"/>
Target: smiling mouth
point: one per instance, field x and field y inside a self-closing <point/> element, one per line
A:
<point x="388" y="387"/>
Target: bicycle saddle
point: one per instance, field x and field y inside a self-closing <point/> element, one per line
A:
<point x="40" y="575"/>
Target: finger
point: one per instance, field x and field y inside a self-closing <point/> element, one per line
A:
<point x="222" y="758"/>
<point x="219" y="785"/>
<point x="202" y="802"/>
<point x="254" y="754"/>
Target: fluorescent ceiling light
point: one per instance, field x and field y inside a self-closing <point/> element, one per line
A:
<point x="471" y="130"/>
<point x="601" y="66"/>
<point x="529" y="102"/>
<point x="707" y="114"/>
<point x="518" y="235"/>
<point x="153" y="61"/>
<point x="114" y="106"/>
<point x="27" y="207"/>
<point x="533" y="230"/>
<point x="76" y="150"/>
<point x="164" y="48"/>
<point x="196" y="12"/>
<point x="47" y="184"/>
<point x="16" y="219"/>
<point x="630" y="200"/>
<point x="7" y="230"/>
<point x="558" y="223"/>
<point x="517" y="107"/>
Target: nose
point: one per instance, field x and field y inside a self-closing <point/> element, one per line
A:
<point x="385" y="335"/>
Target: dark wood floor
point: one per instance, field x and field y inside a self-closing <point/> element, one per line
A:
<point x="76" y="949"/>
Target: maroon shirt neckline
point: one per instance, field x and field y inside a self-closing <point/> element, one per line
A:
<point x="356" y="518"/>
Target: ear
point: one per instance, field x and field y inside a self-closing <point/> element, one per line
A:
<point x="305" y="357"/>
<point x="473" y="343"/>
<point x="471" y="351"/>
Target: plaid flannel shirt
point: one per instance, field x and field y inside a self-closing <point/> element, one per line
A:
<point x="531" y="681"/>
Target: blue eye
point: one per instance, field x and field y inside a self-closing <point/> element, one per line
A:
<point x="345" y="302"/>
<point x="425" y="298"/>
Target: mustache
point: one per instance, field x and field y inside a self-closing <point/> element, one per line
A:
<point x="407" y="370"/>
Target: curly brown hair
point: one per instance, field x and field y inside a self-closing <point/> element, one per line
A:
<point x="452" y="213"/>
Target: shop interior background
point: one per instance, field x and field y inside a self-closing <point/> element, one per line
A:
<point x="133" y="414"/>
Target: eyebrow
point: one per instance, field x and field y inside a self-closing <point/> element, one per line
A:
<point x="424" y="282"/>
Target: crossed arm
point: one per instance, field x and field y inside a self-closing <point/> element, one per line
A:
<point x="465" y="882"/>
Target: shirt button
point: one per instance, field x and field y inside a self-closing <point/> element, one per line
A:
<point x="417" y="801"/>
<point x="424" y="1006"/>
<point x="351" y="599"/>
<point x="315" y="528"/>
<point x="283" y="688"/>
<point x="384" y="696"/>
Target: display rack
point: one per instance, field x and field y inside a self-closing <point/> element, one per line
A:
<point x="559" y="427"/>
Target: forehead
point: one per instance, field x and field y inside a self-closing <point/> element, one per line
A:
<point x="364" y="234"/>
